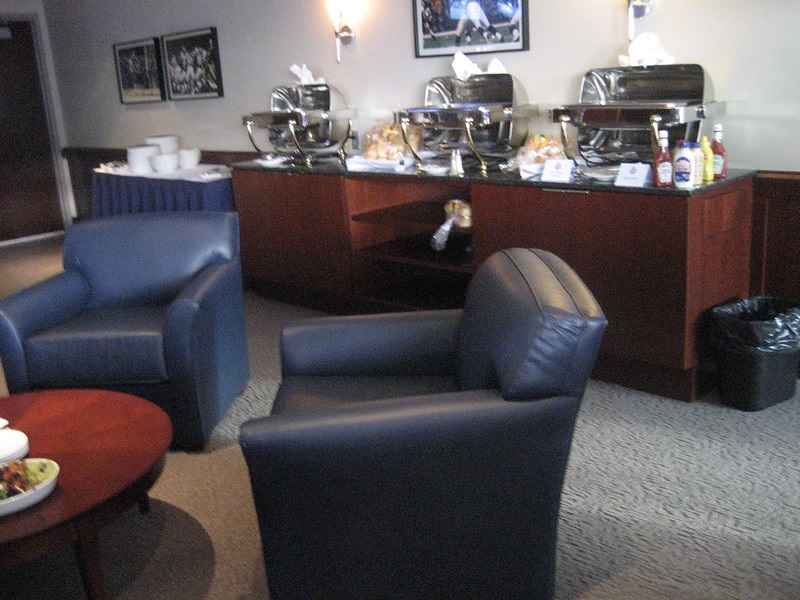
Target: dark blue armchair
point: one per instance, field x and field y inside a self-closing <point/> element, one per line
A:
<point x="422" y="455"/>
<point x="151" y="304"/>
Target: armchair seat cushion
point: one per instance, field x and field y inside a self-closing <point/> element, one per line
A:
<point x="308" y="392"/>
<point x="108" y="346"/>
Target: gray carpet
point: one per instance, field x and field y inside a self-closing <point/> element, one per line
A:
<point x="663" y="500"/>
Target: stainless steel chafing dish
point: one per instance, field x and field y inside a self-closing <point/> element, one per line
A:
<point x="302" y="123"/>
<point x="621" y="110"/>
<point x="479" y="114"/>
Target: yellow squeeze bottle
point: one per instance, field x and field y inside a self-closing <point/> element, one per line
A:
<point x="708" y="162"/>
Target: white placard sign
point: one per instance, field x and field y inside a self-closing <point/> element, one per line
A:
<point x="634" y="175"/>
<point x="558" y="170"/>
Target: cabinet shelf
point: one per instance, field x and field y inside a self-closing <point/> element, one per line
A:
<point x="416" y="251"/>
<point x="425" y="214"/>
<point x="403" y="285"/>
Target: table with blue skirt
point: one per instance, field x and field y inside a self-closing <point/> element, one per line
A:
<point x="206" y="187"/>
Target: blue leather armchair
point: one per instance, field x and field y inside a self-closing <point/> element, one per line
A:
<point x="151" y="304"/>
<point x="422" y="455"/>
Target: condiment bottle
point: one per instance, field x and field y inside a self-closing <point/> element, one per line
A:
<point x="699" y="160"/>
<point x="662" y="162"/>
<point x="708" y="162"/>
<point x="456" y="164"/>
<point x="720" y="155"/>
<point x="683" y="166"/>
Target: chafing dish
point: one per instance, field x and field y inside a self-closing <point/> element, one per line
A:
<point x="621" y="110"/>
<point x="479" y="113"/>
<point x="301" y="123"/>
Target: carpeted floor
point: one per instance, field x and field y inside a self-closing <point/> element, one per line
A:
<point x="663" y="500"/>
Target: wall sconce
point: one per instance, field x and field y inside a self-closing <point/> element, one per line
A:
<point x="636" y="10"/>
<point x="343" y="13"/>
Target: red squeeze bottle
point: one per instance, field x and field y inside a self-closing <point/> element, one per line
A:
<point x="662" y="162"/>
<point x="720" y="155"/>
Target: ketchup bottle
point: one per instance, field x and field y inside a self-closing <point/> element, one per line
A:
<point x="720" y="155"/>
<point x="662" y="162"/>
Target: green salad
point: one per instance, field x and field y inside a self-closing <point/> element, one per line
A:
<point x="19" y="476"/>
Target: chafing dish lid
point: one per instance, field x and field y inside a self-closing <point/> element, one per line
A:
<point x="682" y="84"/>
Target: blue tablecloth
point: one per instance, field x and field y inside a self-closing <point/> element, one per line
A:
<point x="114" y="194"/>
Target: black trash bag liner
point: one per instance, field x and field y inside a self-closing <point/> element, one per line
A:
<point x="762" y="322"/>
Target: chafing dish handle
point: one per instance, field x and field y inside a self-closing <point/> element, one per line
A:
<point x="342" y="154"/>
<point x="250" y="124"/>
<point x="655" y="121"/>
<point x="565" y="139"/>
<point x="468" y="130"/>
<point x="307" y="157"/>
<point x="404" y="122"/>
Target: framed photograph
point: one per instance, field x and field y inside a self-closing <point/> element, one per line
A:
<point x="191" y="64"/>
<point x="139" y="71"/>
<point x="444" y="27"/>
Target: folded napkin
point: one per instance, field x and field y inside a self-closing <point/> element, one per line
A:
<point x="464" y="68"/>
<point x="645" y="50"/>
<point x="304" y="75"/>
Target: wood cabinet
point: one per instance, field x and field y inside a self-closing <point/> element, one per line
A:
<point x="654" y="263"/>
<point x="294" y="232"/>
<point x="655" y="260"/>
<point x="776" y="242"/>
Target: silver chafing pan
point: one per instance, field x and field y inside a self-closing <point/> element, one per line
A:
<point x="621" y="110"/>
<point x="302" y="123"/>
<point x="478" y="113"/>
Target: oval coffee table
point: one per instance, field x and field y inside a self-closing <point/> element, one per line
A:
<point x="111" y="448"/>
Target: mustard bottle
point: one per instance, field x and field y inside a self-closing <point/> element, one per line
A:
<point x="708" y="160"/>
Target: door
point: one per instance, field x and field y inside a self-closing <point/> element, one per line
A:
<point x="29" y="199"/>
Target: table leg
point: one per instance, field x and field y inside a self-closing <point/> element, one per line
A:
<point x="87" y="551"/>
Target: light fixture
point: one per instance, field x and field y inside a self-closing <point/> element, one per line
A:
<point x="636" y="10"/>
<point x="343" y="13"/>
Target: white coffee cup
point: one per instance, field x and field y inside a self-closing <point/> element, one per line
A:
<point x="188" y="158"/>
<point x="168" y="143"/>
<point x="139" y="158"/>
<point x="164" y="163"/>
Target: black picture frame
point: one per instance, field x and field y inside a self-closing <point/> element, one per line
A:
<point x="484" y="26"/>
<point x="139" y="69"/>
<point x="192" y="68"/>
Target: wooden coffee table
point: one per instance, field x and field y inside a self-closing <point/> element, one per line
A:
<point x="111" y="448"/>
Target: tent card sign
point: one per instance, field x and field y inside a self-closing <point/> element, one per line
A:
<point x="558" y="170"/>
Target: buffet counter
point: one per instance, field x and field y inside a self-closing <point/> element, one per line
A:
<point x="654" y="258"/>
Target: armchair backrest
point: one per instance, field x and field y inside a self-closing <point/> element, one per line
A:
<point x="531" y="328"/>
<point x="148" y="257"/>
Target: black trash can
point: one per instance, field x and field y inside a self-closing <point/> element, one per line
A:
<point x="756" y="351"/>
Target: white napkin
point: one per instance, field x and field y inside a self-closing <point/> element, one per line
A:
<point x="645" y="50"/>
<point x="464" y="68"/>
<point x="304" y="75"/>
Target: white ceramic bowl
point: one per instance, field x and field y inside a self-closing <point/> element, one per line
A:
<point x="188" y="158"/>
<point x="168" y="143"/>
<point x="164" y="163"/>
<point x="139" y="158"/>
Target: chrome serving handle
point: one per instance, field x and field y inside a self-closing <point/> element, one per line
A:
<point x="468" y="123"/>
<point x="404" y="123"/>
<point x="250" y="124"/>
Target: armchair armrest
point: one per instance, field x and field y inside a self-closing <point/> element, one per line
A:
<point x="31" y="310"/>
<point x="410" y="343"/>
<point x="414" y="485"/>
<point x="205" y="337"/>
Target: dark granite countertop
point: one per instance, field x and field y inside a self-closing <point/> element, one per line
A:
<point x="334" y="167"/>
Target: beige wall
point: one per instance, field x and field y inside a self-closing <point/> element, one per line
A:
<point x="749" y="49"/>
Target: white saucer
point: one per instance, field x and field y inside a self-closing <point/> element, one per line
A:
<point x="432" y="169"/>
<point x="13" y="445"/>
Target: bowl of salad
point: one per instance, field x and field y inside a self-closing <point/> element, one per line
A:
<point x="25" y="482"/>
